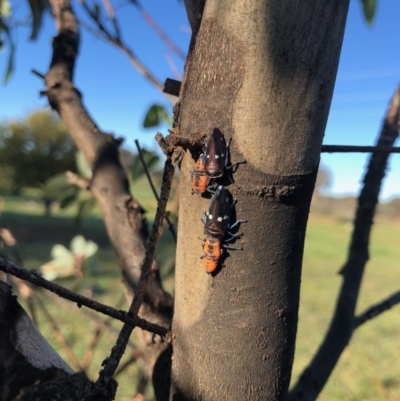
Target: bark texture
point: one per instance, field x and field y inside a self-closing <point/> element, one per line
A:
<point x="25" y="356"/>
<point x="126" y="226"/>
<point x="263" y="72"/>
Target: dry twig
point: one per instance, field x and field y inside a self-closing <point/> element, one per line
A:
<point x="34" y="277"/>
<point x="60" y="336"/>
<point x="153" y="188"/>
<point x="118" y="350"/>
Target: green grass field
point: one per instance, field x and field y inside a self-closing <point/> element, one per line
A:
<point x="369" y="368"/>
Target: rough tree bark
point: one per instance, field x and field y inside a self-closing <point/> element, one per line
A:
<point x="25" y="356"/>
<point x="122" y="213"/>
<point x="263" y="72"/>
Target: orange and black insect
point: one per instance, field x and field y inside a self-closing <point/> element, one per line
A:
<point x="212" y="254"/>
<point x="216" y="155"/>
<point x="199" y="179"/>
<point x="216" y="226"/>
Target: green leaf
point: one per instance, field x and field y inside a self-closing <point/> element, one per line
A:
<point x="151" y="160"/>
<point x="65" y="202"/>
<point x="10" y="63"/>
<point x="369" y="8"/>
<point x="155" y="116"/>
<point x="84" y="209"/>
<point x="83" y="166"/>
<point x="58" y="187"/>
<point x="37" y="7"/>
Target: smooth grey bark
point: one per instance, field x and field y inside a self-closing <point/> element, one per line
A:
<point x="263" y="72"/>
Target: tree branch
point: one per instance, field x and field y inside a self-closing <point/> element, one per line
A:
<point x="90" y="314"/>
<point x="377" y="309"/>
<point x="358" y="149"/>
<point x="123" y="218"/>
<point x="194" y="10"/>
<point x="34" y="277"/>
<point x="118" y="350"/>
<point x="315" y="376"/>
<point x="25" y="354"/>
<point x="172" y="86"/>
<point x="105" y="34"/>
<point x="60" y="336"/>
<point x="146" y="170"/>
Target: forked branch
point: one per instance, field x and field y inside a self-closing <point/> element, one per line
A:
<point x="118" y="350"/>
<point x="377" y="309"/>
<point x="315" y="376"/>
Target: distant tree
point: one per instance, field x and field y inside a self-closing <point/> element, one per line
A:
<point x="395" y="208"/>
<point x="32" y="150"/>
<point x="324" y="179"/>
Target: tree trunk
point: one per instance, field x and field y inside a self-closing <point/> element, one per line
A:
<point x="25" y="356"/>
<point x="263" y="72"/>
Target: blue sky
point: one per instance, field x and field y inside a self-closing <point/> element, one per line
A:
<point x="118" y="97"/>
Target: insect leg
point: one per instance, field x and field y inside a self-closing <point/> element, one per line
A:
<point x="232" y="237"/>
<point x="236" y="223"/>
<point x="233" y="248"/>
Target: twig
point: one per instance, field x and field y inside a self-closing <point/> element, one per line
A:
<point x="135" y="355"/>
<point x="59" y="335"/>
<point x="172" y="87"/>
<point x="87" y="359"/>
<point x="117" y="42"/>
<point x="35" y="278"/>
<point x="359" y="149"/>
<point x="90" y="314"/>
<point x="377" y="309"/>
<point x="146" y="170"/>
<point x="111" y="15"/>
<point x="74" y="179"/>
<point x="118" y="350"/>
<point x="37" y="73"/>
<point x="315" y="376"/>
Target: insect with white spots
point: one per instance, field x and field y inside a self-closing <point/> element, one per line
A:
<point x="217" y="155"/>
<point x="216" y="228"/>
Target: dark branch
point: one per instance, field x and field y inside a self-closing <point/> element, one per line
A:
<point x="34" y="277"/>
<point x="89" y="313"/>
<point x="377" y="309"/>
<point x="118" y="350"/>
<point x="194" y="10"/>
<point x="117" y="42"/>
<point x="172" y="87"/>
<point x="358" y="149"/>
<point x="153" y="188"/>
<point x="125" y="223"/>
<point x="37" y="73"/>
<point x="315" y="376"/>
